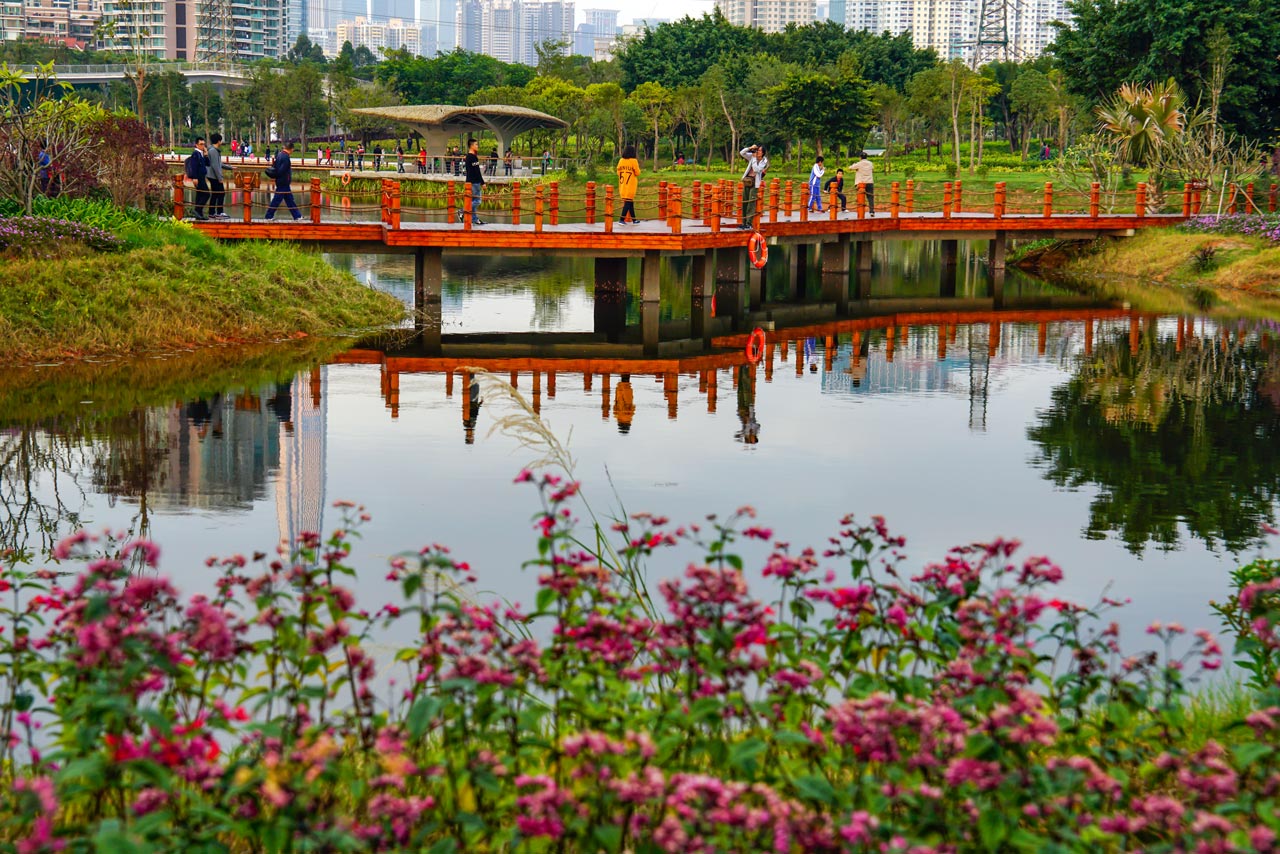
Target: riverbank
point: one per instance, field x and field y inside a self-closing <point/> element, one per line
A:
<point x="172" y="288"/>
<point x="1170" y="270"/>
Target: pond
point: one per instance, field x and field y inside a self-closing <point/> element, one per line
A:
<point x="1138" y="452"/>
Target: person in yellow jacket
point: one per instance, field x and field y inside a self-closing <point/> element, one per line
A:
<point x="628" y="182"/>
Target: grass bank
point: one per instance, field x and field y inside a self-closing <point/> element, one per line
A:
<point x="169" y="287"/>
<point x="1178" y="271"/>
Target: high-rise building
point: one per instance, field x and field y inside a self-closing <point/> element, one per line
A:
<point x="600" y="24"/>
<point x="543" y="22"/>
<point x="772" y="16"/>
<point x="951" y="26"/>
<point x="214" y="30"/>
<point x="470" y="24"/>
<point x="394" y="34"/>
<point x="69" y="22"/>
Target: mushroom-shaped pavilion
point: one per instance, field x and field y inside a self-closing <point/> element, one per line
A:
<point x="438" y="122"/>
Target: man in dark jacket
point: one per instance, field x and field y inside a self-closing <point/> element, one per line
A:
<point x="476" y="179"/>
<point x="218" y="198"/>
<point x="283" y="167"/>
<point x="197" y="168"/>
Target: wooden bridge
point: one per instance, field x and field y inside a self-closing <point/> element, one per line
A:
<point x="707" y="222"/>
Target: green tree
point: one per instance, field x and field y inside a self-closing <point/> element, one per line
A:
<point x="1112" y="42"/>
<point x="448" y="78"/>
<point x="361" y="125"/>
<point x="681" y="52"/>
<point x="891" y="112"/>
<point x="654" y="102"/>
<point x="1031" y="104"/>
<point x="305" y="50"/>
<point x="206" y="104"/>
<point x="816" y="106"/>
<point x="1168" y="441"/>
<point x="304" y="100"/>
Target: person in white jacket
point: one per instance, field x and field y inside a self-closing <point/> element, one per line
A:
<point x="752" y="181"/>
<point x="815" y="184"/>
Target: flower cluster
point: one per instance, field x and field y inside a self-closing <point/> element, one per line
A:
<point x="45" y="237"/>
<point x="823" y="701"/>
<point x="1266" y="226"/>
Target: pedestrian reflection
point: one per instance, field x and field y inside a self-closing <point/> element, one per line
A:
<point x="750" y="432"/>
<point x="471" y="408"/>
<point x="624" y="405"/>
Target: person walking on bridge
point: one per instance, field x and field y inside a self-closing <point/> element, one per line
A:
<point x="628" y="183"/>
<point x="475" y="177"/>
<point x="197" y="169"/>
<point x="864" y="175"/>
<point x="282" y="172"/>
<point x="815" y="184"/>
<point x="752" y="181"/>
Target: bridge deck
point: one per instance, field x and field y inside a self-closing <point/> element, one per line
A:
<point x="692" y="235"/>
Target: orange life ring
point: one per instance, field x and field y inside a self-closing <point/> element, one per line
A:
<point x="346" y="178"/>
<point x="346" y="203"/>
<point x="755" y="344"/>
<point x="758" y="250"/>
<point x="713" y="305"/>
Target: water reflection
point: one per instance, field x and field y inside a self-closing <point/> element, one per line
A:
<point x="1174" y="428"/>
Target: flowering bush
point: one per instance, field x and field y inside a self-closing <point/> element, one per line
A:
<point x="865" y="708"/>
<point x="1266" y="226"/>
<point x="46" y="237"/>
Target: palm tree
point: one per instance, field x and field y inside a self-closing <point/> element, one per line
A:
<point x="1143" y="121"/>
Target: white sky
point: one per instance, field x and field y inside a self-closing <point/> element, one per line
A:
<point x="629" y="11"/>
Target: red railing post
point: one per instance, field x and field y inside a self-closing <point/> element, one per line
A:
<point x="1001" y="199"/>
<point x="805" y="201"/>
<point x="451" y="201"/>
<point x="707" y="195"/>
<point x="673" y="208"/>
<point x="246" y="197"/>
<point x="315" y="200"/>
<point x="662" y="200"/>
<point x="1186" y="199"/>
<point x="1248" y="197"/>
<point x="555" y="202"/>
<point x="696" y="202"/>
<point x="591" y="203"/>
<point x="955" y="197"/>
<point x="773" y="199"/>
<point x="716" y="201"/>
<point x="179" y="191"/>
<point x="788" y="199"/>
<point x="608" y="209"/>
<point x="1140" y="200"/>
<point x="895" y="200"/>
<point x="1271" y="199"/>
<point x="537" y="209"/>
<point x="1048" y="199"/>
<point x="860" y="202"/>
<point x="395" y="205"/>
<point x="833" y="213"/>
<point x="911" y="195"/>
<point x="467" y="212"/>
<point x="946" y="200"/>
<point x="1095" y="199"/>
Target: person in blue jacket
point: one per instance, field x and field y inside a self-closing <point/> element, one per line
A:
<point x="815" y="184"/>
<point x="283" y="168"/>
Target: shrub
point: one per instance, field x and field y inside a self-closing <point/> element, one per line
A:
<point x="867" y="707"/>
<point x="46" y="237"/>
<point x="951" y="170"/>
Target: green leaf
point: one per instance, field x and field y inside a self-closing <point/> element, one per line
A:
<point x="816" y="788"/>
<point x="545" y="597"/>
<point x="744" y="753"/>
<point x="608" y="835"/>
<point x="444" y="846"/>
<point x="992" y="828"/>
<point x="1250" y="752"/>
<point x="423" y="711"/>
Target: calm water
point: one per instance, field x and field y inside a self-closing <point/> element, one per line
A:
<point x="1144" y="466"/>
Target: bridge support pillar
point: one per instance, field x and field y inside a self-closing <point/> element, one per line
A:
<point x="997" y="247"/>
<point x="997" y="288"/>
<point x="428" y="276"/>
<point x="704" y="289"/>
<point x="649" y="327"/>
<point x="950" y="253"/>
<point x="798" y="271"/>
<point x="835" y="256"/>
<point x="650" y="276"/>
<point x="835" y="288"/>
<point x="610" y="297"/>
<point x="756" y="287"/>
<point x="863" y="284"/>
<point x="948" y="275"/>
<point x="864" y="256"/>
<point x="731" y="264"/>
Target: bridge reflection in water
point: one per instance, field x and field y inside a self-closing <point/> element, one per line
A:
<point x="910" y="352"/>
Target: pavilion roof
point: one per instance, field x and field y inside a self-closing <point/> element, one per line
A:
<point x="504" y="120"/>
